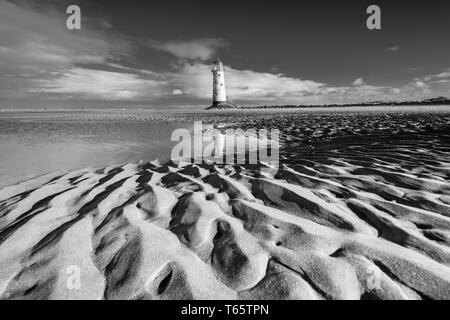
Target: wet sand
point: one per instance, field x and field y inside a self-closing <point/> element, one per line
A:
<point x="359" y="209"/>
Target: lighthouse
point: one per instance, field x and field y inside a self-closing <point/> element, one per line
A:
<point x="220" y="99"/>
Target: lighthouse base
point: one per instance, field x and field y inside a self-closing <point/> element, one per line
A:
<point x="222" y="105"/>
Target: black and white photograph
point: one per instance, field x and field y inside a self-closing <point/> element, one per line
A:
<point x="224" y="151"/>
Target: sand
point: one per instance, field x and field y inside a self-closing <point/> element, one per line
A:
<point x="358" y="209"/>
<point x="181" y="231"/>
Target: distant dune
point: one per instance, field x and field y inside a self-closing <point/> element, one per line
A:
<point x="162" y="231"/>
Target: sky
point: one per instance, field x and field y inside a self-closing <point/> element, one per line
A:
<point x="157" y="53"/>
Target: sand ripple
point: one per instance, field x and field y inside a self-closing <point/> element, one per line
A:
<point x="353" y="226"/>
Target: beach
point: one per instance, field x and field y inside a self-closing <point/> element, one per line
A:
<point x="359" y="208"/>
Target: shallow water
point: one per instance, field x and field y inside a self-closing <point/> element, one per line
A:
<point x="34" y="143"/>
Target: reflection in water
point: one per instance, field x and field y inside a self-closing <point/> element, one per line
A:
<point x="35" y="143"/>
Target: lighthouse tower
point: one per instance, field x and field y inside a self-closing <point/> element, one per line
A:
<point x="220" y="99"/>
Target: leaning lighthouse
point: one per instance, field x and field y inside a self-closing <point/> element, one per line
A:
<point x="220" y="99"/>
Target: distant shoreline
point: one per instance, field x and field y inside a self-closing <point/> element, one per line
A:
<point x="343" y="106"/>
<point x="441" y="101"/>
<point x="437" y="102"/>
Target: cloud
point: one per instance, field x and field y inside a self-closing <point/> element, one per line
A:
<point x="393" y="48"/>
<point x="420" y="84"/>
<point x="40" y="60"/>
<point x="429" y="86"/>
<point x="413" y="69"/>
<point x="196" y="49"/>
<point x="190" y="80"/>
<point x="37" y="47"/>
<point x="177" y="92"/>
<point x="352" y="94"/>
<point x="247" y="85"/>
<point x="359" y="82"/>
<point x="37" y="39"/>
<point x="421" y="88"/>
<point x="439" y="76"/>
<point x="103" y="85"/>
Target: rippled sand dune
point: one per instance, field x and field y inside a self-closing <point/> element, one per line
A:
<point x="330" y="230"/>
<point x="359" y="209"/>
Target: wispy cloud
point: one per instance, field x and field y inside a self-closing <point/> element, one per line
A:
<point x="103" y="85"/>
<point x="359" y="82"/>
<point x="38" y="39"/>
<point x="242" y="84"/>
<point x="44" y="61"/>
<point x="393" y="48"/>
<point x="413" y="69"/>
<point x="195" y="49"/>
<point x="189" y="79"/>
<point x="36" y="43"/>
<point x="439" y="76"/>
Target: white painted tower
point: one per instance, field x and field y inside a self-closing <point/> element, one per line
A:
<point x="220" y="99"/>
<point x="219" y="91"/>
